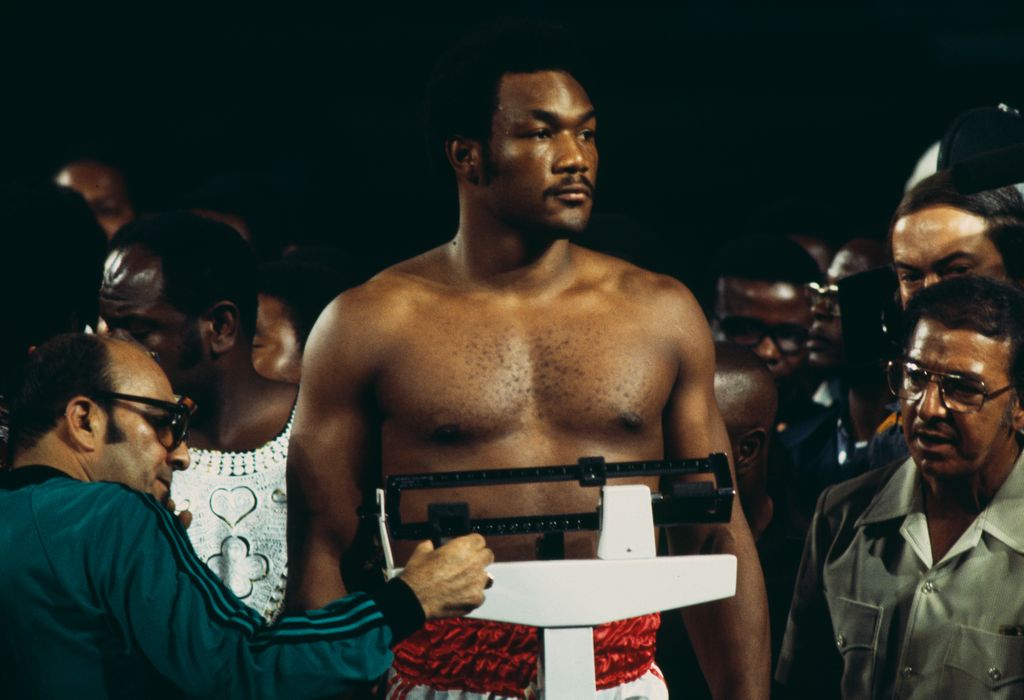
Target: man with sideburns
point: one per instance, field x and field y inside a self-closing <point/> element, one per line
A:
<point x="513" y="346"/>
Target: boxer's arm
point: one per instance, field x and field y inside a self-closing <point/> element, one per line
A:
<point x="327" y="455"/>
<point x="730" y="636"/>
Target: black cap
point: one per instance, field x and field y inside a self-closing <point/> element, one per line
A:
<point x="980" y="130"/>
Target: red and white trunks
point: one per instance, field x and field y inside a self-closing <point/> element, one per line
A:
<point x="464" y="658"/>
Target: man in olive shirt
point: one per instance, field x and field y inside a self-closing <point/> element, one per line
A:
<point x="903" y="588"/>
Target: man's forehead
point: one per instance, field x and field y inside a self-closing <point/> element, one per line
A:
<point x="937" y="232"/>
<point x="959" y="350"/>
<point x="93" y="178"/>
<point x="136" y="371"/>
<point x="848" y="262"/>
<point x="520" y="94"/>
<point x="768" y="302"/>
<point x="736" y="289"/>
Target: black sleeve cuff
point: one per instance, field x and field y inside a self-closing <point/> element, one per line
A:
<point x="400" y="607"/>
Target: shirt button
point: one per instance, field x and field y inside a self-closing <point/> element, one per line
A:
<point x="994" y="673"/>
<point x="907" y="671"/>
<point x="840" y="641"/>
<point x="928" y="587"/>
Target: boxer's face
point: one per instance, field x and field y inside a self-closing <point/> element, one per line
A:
<point x="542" y="164"/>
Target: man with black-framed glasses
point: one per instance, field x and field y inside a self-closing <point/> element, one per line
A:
<point x="902" y="589"/>
<point x="104" y="597"/>
<point x="762" y="302"/>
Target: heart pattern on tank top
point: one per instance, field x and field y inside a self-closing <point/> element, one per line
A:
<point x="232" y="506"/>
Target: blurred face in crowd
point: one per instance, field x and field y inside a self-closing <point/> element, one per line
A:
<point x="103" y="187"/>
<point x="139" y="450"/>
<point x="950" y="444"/>
<point x="132" y="304"/>
<point x="771" y="318"/>
<point x="276" y="351"/>
<point x="941" y="242"/>
<point x="825" y="343"/>
<point x="542" y="163"/>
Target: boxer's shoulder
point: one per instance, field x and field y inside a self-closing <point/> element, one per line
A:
<point x="620" y="275"/>
<point x="639" y="292"/>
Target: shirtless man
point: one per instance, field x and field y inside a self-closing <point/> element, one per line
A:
<point x="509" y="346"/>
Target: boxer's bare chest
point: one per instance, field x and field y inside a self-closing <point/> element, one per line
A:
<point x="476" y="375"/>
<point x="478" y="384"/>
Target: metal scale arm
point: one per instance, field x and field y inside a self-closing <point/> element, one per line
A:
<point x="684" y="503"/>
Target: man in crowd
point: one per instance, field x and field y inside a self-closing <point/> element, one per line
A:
<point x="103" y="596"/>
<point x="747" y="397"/>
<point x="890" y="599"/>
<point x="292" y="293"/>
<point x="761" y="302"/>
<point x="938" y="233"/>
<point x="185" y="287"/>
<point x="831" y="446"/>
<point x="510" y="346"/>
<point x="104" y="187"/>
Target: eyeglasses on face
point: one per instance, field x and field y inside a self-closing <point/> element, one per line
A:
<point x="824" y="298"/>
<point x="172" y="427"/>
<point x="908" y="380"/>
<point x="789" y="338"/>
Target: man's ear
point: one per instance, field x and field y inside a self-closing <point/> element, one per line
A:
<point x="751" y="448"/>
<point x="1018" y="412"/>
<point x="466" y="158"/>
<point x="84" y="424"/>
<point x="221" y="325"/>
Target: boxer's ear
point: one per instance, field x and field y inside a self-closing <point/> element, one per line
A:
<point x="466" y="158"/>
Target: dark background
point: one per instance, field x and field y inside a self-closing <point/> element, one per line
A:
<point x="709" y="112"/>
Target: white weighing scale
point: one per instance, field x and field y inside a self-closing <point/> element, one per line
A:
<point x="566" y="599"/>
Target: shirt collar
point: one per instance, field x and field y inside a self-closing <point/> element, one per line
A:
<point x="28" y="476"/>
<point x="895" y="499"/>
<point x="1000" y="518"/>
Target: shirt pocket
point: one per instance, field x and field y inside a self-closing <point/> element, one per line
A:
<point x="984" y="664"/>
<point x="855" y="628"/>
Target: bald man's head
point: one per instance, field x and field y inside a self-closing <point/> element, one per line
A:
<point x="748" y="400"/>
<point x="744" y="389"/>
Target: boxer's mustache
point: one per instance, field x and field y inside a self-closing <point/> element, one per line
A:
<point x="571" y="184"/>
